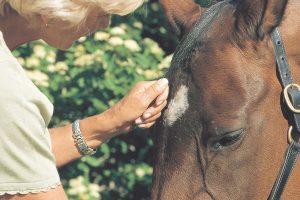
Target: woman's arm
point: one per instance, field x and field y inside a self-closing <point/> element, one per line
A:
<point x="142" y="106"/>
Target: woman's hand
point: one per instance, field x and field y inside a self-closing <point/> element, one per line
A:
<point x="142" y="106"/>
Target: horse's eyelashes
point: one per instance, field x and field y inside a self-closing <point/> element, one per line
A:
<point x="227" y="140"/>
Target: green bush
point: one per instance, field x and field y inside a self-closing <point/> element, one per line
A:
<point x="91" y="77"/>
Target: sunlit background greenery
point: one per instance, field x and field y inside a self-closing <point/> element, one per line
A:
<point x="92" y="76"/>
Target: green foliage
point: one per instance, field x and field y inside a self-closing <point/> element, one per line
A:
<point x="92" y="76"/>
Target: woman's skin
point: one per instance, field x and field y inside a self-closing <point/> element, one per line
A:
<point x="141" y="107"/>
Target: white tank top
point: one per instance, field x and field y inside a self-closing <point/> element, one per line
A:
<point x="26" y="160"/>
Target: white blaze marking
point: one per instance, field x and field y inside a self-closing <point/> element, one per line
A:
<point x="177" y="106"/>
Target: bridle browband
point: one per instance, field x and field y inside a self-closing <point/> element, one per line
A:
<point x="291" y="93"/>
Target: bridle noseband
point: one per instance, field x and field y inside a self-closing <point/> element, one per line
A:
<point x="292" y="99"/>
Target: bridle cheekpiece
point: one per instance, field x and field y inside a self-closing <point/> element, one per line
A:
<point x="291" y="94"/>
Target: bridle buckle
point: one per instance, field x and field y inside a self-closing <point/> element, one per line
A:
<point x="287" y="98"/>
<point x="290" y="136"/>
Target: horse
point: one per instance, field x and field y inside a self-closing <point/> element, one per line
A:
<point x="223" y="134"/>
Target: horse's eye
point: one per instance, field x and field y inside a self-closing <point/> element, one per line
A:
<point x="227" y="140"/>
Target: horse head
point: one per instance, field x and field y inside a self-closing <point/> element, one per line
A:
<point x="223" y="133"/>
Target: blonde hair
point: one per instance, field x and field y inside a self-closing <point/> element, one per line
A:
<point x="72" y="11"/>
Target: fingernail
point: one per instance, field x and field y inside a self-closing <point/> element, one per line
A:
<point x="160" y="102"/>
<point x="142" y="126"/>
<point x="147" y="115"/>
<point x="163" y="82"/>
<point x="138" y="121"/>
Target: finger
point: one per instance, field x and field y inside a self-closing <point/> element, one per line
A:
<point x="161" y="98"/>
<point x="153" y="110"/>
<point x="150" y="112"/>
<point x="151" y="119"/>
<point x="138" y="121"/>
<point x="146" y="125"/>
<point x="155" y="90"/>
<point x="144" y="85"/>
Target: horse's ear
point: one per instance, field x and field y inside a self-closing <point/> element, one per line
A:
<point x="181" y="14"/>
<point x="257" y="18"/>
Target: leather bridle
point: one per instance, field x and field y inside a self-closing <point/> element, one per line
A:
<point x="291" y="93"/>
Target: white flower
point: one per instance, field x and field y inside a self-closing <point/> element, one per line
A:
<point x="39" y="51"/>
<point x="94" y="187"/>
<point x="98" y="52"/>
<point x="82" y="39"/>
<point x="155" y="49"/>
<point x="166" y="62"/>
<point x="140" y="172"/>
<point x="123" y="26"/>
<point x="84" y="60"/>
<point x="132" y="148"/>
<point x="112" y="185"/>
<point x="95" y="194"/>
<point x="132" y="45"/>
<point x="81" y="189"/>
<point x="75" y="182"/>
<point x="51" y="57"/>
<point x="150" y="74"/>
<point x="122" y="63"/>
<point x="72" y="191"/>
<point x="79" y="50"/>
<point x="97" y="55"/>
<point x="139" y="70"/>
<point x="148" y="41"/>
<point x="77" y="186"/>
<point x="51" y="68"/>
<point x="101" y="36"/>
<point x="138" y="25"/>
<point x="32" y="62"/>
<point x="61" y="66"/>
<point x="115" y="41"/>
<point x="94" y="190"/>
<point x="38" y="78"/>
<point x="117" y="31"/>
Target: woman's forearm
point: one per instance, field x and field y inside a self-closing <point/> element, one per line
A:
<point x="95" y="130"/>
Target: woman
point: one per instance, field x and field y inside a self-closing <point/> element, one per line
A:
<point x="29" y="152"/>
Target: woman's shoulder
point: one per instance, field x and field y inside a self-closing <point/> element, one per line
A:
<point x="19" y="94"/>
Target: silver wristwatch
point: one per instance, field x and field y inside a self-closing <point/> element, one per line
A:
<point x="82" y="146"/>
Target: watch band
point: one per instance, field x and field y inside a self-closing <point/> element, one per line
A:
<point x="82" y="146"/>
